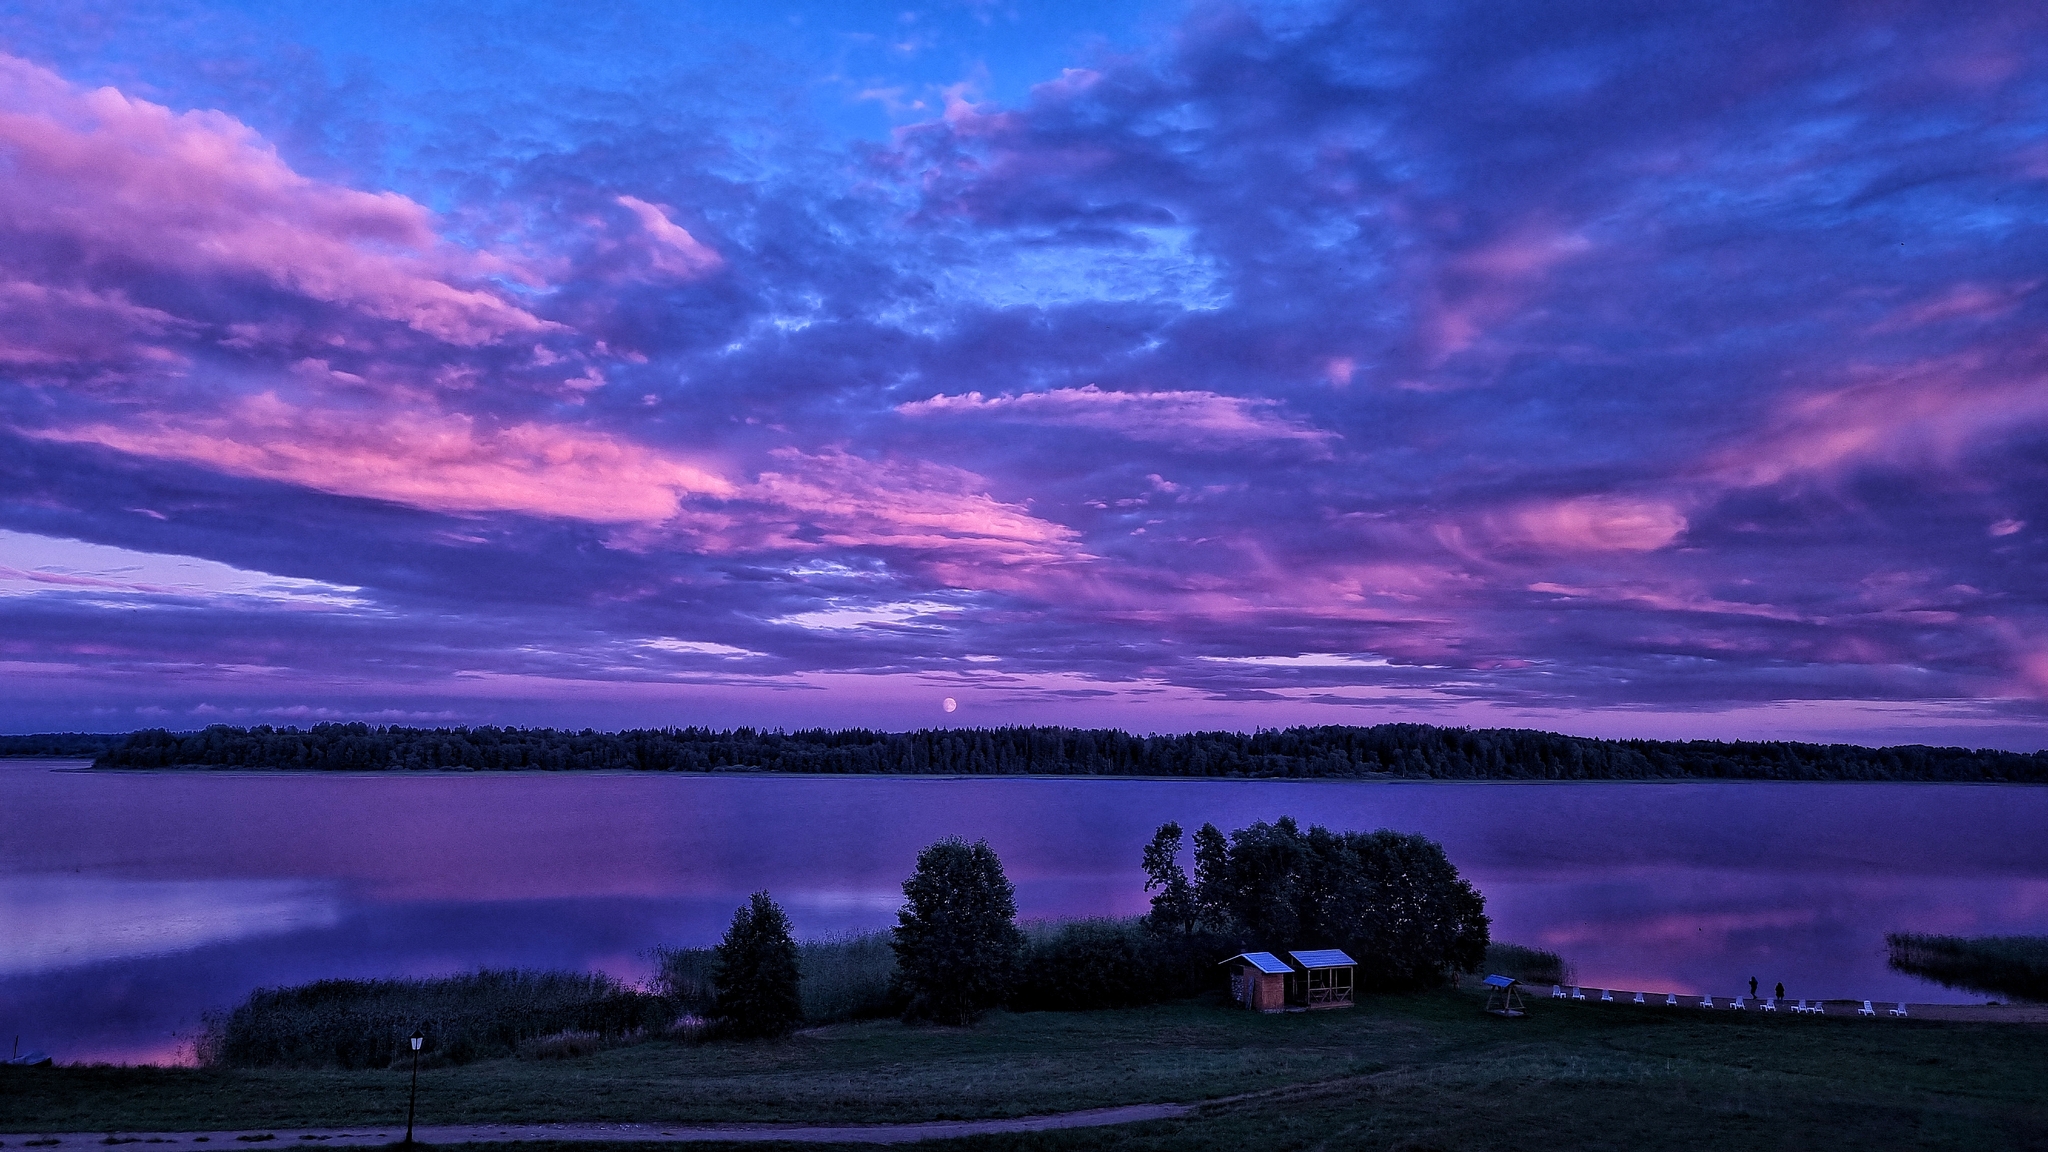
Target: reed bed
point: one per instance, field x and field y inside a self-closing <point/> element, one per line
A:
<point x="1529" y="965"/>
<point x="367" y="1023"/>
<point x="2015" y="966"/>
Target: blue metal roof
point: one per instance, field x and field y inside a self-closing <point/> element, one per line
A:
<point x="1323" y="958"/>
<point x="1499" y="981"/>
<point x="1264" y="961"/>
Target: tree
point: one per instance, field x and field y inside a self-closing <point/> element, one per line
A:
<point x="1174" y="908"/>
<point x="956" y="937"/>
<point x="1213" y="905"/>
<point x="755" y="977"/>
<point x="1392" y="900"/>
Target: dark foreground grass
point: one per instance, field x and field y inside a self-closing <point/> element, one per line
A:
<point x="1399" y="1072"/>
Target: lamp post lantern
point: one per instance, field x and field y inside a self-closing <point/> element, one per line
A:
<point x="413" y="1105"/>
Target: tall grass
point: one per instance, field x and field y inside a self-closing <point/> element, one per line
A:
<point x="2014" y="966"/>
<point x="1529" y="965"/>
<point x="367" y="1023"/>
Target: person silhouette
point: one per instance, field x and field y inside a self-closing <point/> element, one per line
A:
<point x="1781" y="989"/>
<point x="1752" y="987"/>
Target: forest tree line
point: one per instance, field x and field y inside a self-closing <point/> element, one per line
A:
<point x="1405" y="751"/>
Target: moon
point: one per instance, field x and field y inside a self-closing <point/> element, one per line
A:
<point x="950" y="704"/>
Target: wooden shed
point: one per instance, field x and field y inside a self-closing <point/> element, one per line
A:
<point x="1328" y="978"/>
<point x="1258" y="980"/>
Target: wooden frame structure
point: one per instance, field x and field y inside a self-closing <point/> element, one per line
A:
<point x="1328" y="979"/>
<point x="1502" y="999"/>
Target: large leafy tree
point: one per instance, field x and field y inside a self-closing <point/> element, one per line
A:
<point x="1393" y="900"/>
<point x="756" y="975"/>
<point x="1213" y="908"/>
<point x="956" y="937"/>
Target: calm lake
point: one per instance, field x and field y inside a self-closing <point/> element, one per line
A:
<point x="130" y="903"/>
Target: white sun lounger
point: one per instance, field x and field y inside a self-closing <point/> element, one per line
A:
<point x="1770" y="1004"/>
<point x="1817" y="1010"/>
<point x="1900" y="1011"/>
<point x="1735" y="1002"/>
<point x="1866" y="1010"/>
<point x="1557" y="992"/>
<point x="1578" y="993"/>
<point x="1671" y="1000"/>
<point x="1706" y="1001"/>
<point x="1607" y="995"/>
<point x="1639" y="997"/>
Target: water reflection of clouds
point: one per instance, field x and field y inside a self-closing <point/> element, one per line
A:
<point x="51" y="922"/>
<point x="1686" y="887"/>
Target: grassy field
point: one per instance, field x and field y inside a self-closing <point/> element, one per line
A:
<point x="1415" y="1073"/>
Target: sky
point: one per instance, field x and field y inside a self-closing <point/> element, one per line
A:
<point x="1623" y="369"/>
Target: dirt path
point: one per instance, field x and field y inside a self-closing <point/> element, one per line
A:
<point x="655" y="1133"/>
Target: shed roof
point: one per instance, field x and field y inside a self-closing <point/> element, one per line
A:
<point x="1264" y="961"/>
<point x="1323" y="958"/>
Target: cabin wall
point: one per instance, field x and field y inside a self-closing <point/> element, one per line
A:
<point x="1269" y="991"/>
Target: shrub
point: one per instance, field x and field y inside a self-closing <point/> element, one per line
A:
<point x="956" y="937"/>
<point x="756" y="975"/>
<point x="561" y="1046"/>
<point x="1084" y="965"/>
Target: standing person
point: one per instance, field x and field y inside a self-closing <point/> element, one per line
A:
<point x="1752" y="987"/>
<point x="1781" y="989"/>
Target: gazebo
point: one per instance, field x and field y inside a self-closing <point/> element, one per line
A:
<point x="1327" y="978"/>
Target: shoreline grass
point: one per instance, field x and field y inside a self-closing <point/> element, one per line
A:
<point x="2015" y="966"/>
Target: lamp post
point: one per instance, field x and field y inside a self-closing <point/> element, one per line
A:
<point x="413" y="1106"/>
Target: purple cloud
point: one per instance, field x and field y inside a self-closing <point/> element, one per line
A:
<point x="1588" y="366"/>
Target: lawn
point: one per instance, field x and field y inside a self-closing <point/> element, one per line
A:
<point x="1414" y="1072"/>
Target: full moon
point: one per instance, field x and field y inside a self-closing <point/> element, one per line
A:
<point x="951" y="704"/>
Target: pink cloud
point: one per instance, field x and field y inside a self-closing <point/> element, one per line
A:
<point x="1928" y="413"/>
<point x="1673" y="597"/>
<point x="1958" y="302"/>
<point x="919" y="506"/>
<point x="445" y="462"/>
<point x="76" y="332"/>
<point x="1172" y="417"/>
<point x="673" y="250"/>
<point x="1481" y="288"/>
<point x="127" y="184"/>
<point x="1591" y="524"/>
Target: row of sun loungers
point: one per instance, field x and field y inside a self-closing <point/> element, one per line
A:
<point x="1735" y="1003"/>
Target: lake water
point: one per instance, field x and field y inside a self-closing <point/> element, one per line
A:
<point x="129" y="903"/>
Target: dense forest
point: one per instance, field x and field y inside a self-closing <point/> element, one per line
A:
<point x="59" y="744"/>
<point x="1406" y="751"/>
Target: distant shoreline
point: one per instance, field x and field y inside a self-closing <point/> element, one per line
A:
<point x="85" y="766"/>
<point x="1380" y="752"/>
